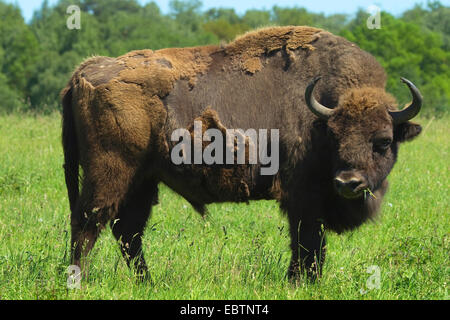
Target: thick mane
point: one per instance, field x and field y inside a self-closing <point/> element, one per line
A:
<point x="272" y="38"/>
<point x="358" y="101"/>
<point x="245" y="50"/>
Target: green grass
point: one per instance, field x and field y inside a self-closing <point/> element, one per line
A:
<point x="237" y="252"/>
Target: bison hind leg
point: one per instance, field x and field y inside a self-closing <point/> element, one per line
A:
<point x="130" y="223"/>
<point x="86" y="225"/>
<point x="98" y="204"/>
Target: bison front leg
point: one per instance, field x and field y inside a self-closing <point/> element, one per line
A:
<point x="308" y="248"/>
<point x="129" y="226"/>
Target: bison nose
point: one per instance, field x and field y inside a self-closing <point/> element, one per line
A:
<point x="351" y="184"/>
<point x="352" y="187"/>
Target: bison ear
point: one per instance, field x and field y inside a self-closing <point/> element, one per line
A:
<point x="406" y="131"/>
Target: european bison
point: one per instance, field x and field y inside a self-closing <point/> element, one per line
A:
<point x="338" y="137"/>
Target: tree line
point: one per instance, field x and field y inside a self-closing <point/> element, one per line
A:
<point x="37" y="57"/>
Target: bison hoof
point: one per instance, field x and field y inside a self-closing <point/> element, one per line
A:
<point x="296" y="274"/>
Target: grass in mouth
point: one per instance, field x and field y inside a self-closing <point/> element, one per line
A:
<point x="368" y="191"/>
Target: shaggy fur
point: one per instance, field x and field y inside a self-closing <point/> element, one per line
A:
<point x="119" y="113"/>
<point x="246" y="50"/>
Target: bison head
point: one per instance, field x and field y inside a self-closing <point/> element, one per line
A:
<point x="365" y="130"/>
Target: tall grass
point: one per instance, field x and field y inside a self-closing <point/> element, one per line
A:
<point x="237" y="251"/>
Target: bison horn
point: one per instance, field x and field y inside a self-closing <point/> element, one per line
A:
<point x="413" y="109"/>
<point x="319" y="110"/>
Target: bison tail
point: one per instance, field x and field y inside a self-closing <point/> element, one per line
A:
<point x="70" y="146"/>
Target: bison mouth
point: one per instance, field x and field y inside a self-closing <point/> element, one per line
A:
<point x="350" y="185"/>
<point x="351" y="195"/>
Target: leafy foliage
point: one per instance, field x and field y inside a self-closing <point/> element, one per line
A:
<point x="405" y="49"/>
<point x="37" y="58"/>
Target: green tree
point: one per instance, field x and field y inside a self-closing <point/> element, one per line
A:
<point x="292" y="16"/>
<point x="37" y="59"/>
<point x="60" y="51"/>
<point x="404" y="49"/>
<point x="18" y="54"/>
<point x="225" y="24"/>
<point x="434" y="17"/>
<point x="257" y="18"/>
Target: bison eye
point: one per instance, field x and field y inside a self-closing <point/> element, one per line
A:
<point x="381" y="145"/>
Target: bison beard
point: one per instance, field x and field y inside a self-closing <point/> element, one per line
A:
<point x="339" y="137"/>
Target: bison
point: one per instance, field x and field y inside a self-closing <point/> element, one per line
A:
<point x="338" y="137"/>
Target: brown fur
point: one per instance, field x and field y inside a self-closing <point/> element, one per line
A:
<point x="246" y="50"/>
<point x="119" y="115"/>
<point x="359" y="101"/>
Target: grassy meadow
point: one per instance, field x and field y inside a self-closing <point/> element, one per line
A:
<point x="237" y="251"/>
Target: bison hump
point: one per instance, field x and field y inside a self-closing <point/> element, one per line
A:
<point x="100" y="70"/>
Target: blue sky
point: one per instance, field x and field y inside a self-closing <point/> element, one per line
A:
<point x="325" y="6"/>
